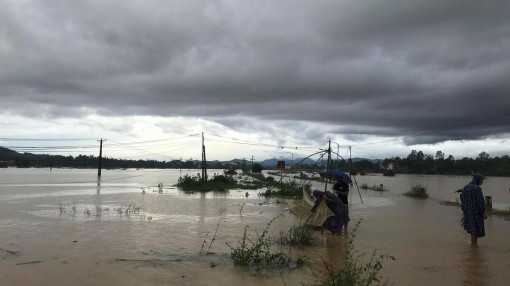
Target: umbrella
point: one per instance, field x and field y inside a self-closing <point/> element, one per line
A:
<point x="334" y="175"/>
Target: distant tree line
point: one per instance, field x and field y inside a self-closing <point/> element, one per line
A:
<point x="415" y="163"/>
<point x="419" y="163"/>
<point x="25" y="160"/>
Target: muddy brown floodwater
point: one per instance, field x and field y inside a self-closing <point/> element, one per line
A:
<point x="59" y="227"/>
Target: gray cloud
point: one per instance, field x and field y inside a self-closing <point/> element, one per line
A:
<point x="389" y="68"/>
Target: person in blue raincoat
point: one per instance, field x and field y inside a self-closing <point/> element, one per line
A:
<point x="335" y="222"/>
<point x="473" y="208"/>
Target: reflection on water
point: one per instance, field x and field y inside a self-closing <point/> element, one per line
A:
<point x="474" y="269"/>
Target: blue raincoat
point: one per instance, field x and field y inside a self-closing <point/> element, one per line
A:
<point x="335" y="222"/>
<point x="473" y="207"/>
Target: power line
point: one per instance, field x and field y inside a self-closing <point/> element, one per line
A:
<point x="245" y="142"/>
<point x="46" y="139"/>
<point x="139" y="149"/>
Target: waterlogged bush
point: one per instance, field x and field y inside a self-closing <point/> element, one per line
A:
<point x="196" y="184"/>
<point x="225" y="179"/>
<point x="257" y="252"/>
<point x="291" y="189"/>
<point x="373" y="187"/>
<point x="417" y="191"/>
<point x="353" y="271"/>
<point x="297" y="235"/>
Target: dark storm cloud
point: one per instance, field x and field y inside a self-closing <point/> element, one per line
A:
<point x="389" y="68"/>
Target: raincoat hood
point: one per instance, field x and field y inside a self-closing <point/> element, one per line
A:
<point x="478" y="178"/>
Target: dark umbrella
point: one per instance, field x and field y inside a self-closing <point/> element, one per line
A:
<point x="334" y="175"/>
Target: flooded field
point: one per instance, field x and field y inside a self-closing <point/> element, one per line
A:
<point x="64" y="227"/>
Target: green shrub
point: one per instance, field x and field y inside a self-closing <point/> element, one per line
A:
<point x="373" y="187"/>
<point x="291" y="189"/>
<point x="352" y="271"/>
<point x="417" y="191"/>
<point x="297" y="235"/>
<point x="257" y="253"/>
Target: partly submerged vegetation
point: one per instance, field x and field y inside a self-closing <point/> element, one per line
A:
<point x="297" y="235"/>
<point x="417" y="191"/>
<point x="222" y="182"/>
<point x="373" y="187"/>
<point x="354" y="270"/>
<point x="257" y="252"/>
<point x="286" y="189"/>
<point x="226" y="182"/>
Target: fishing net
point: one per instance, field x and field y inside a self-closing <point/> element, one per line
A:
<point x="302" y="208"/>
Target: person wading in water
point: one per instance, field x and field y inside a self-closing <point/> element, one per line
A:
<point x="473" y="209"/>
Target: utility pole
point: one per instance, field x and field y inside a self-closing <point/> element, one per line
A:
<point x="51" y="162"/>
<point x="327" y="166"/>
<point x="100" y="156"/>
<point x="350" y="161"/>
<point x="252" y="163"/>
<point x="204" y="164"/>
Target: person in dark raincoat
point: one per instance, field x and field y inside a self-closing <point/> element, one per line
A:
<point x="473" y="208"/>
<point x="335" y="222"/>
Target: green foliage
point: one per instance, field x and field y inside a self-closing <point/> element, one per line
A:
<point x="290" y="189"/>
<point x="224" y="179"/>
<point x="257" y="168"/>
<point x="373" y="187"/>
<point x="417" y="191"/>
<point x="257" y="252"/>
<point x="389" y="173"/>
<point x="230" y="172"/>
<point x="196" y="184"/>
<point x="353" y="271"/>
<point x="297" y="235"/>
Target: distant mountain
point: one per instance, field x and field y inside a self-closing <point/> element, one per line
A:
<point x="12" y="158"/>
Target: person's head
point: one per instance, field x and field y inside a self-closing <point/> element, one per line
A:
<point x="318" y="194"/>
<point x="478" y="178"/>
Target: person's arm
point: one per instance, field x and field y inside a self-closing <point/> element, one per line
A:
<point x="345" y="194"/>
<point x="480" y="203"/>
<point x="312" y="211"/>
<point x="344" y="190"/>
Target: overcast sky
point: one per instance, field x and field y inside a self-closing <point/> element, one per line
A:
<point x="384" y="77"/>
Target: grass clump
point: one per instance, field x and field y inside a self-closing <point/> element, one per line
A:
<point x="257" y="252"/>
<point x="297" y="235"/>
<point x="353" y="271"/>
<point x="290" y="189"/>
<point x="223" y="182"/>
<point x="373" y="187"/>
<point x="216" y="183"/>
<point x="417" y="191"/>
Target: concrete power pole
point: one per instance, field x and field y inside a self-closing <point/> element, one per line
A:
<point x="204" y="162"/>
<point x="100" y="156"/>
<point x="252" y="163"/>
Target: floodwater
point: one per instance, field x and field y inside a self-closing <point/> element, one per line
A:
<point x="63" y="227"/>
